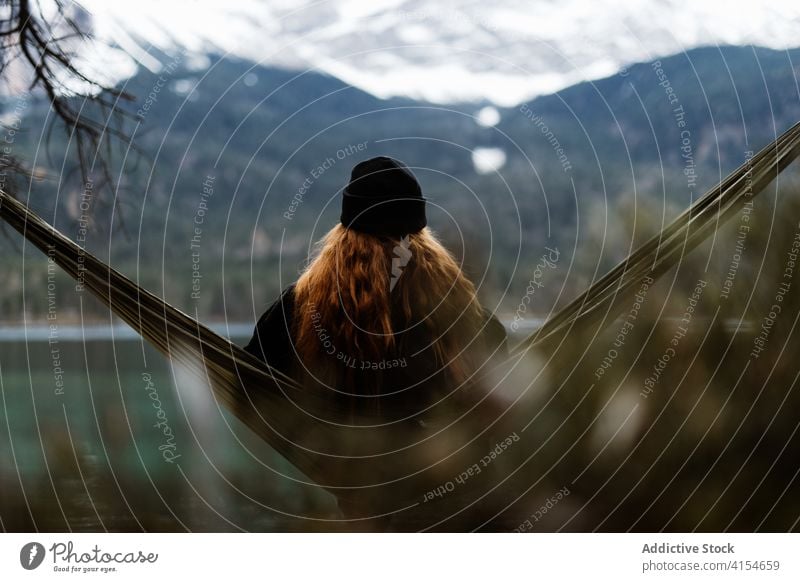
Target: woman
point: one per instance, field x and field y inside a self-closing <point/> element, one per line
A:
<point x="382" y="319"/>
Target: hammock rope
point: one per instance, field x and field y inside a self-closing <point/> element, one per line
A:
<point x="291" y="420"/>
<point x="664" y="250"/>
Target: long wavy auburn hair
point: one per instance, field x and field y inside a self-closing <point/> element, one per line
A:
<point x="362" y="290"/>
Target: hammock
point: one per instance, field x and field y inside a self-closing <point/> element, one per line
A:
<point x="376" y="464"/>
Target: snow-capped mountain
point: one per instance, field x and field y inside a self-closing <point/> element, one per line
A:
<point x="470" y="50"/>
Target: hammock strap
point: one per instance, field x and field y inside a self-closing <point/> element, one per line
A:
<point x="612" y="291"/>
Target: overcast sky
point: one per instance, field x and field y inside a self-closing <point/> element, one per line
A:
<point x="505" y="51"/>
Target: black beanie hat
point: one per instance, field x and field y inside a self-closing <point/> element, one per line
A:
<point x="383" y="198"/>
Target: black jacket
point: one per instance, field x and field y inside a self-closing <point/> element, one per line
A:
<point x="272" y="338"/>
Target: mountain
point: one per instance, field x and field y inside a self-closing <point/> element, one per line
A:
<point x="466" y="51"/>
<point x="259" y="155"/>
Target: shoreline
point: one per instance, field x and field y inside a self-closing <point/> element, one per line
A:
<point x="38" y="332"/>
<point x="100" y="331"/>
